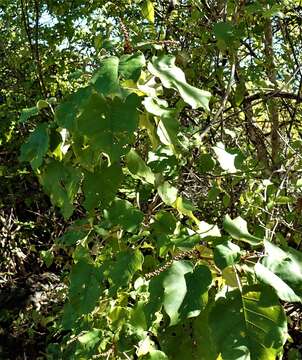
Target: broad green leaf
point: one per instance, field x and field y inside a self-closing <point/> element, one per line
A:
<point x="109" y="124"/>
<point x="167" y="192"/>
<point x="90" y="338"/>
<point x="138" y="167"/>
<point x="68" y="110"/>
<point x="189" y="339"/>
<point x="130" y="66"/>
<point x="100" y="187"/>
<point x="249" y="325"/>
<point x="226" y="254"/>
<point x="197" y="282"/>
<point x="185" y="207"/>
<point x="147" y="8"/>
<point x="28" y="113"/>
<point x="179" y="290"/>
<point x="226" y="159"/>
<point x="205" y="163"/>
<point x="226" y="35"/>
<point x="237" y="228"/>
<point x="105" y="79"/>
<point x="172" y="77"/>
<point x="284" y="292"/>
<point x="286" y="265"/>
<point x="87" y="156"/>
<point x="36" y="146"/>
<point x="75" y="233"/>
<point x="167" y="127"/>
<point x="146" y="123"/>
<point x="84" y="291"/>
<point x="61" y="182"/>
<point x="175" y="289"/>
<point x="127" y="263"/>
<point x="164" y="223"/>
<point x="121" y="212"/>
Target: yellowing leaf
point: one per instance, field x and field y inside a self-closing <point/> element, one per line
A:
<point x="148" y="10"/>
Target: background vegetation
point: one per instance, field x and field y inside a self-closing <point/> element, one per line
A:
<point x="150" y="163"/>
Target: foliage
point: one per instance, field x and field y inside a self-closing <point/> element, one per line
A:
<point x="173" y="157"/>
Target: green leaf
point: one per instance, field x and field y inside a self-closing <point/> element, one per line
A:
<point x="84" y="291"/>
<point x="198" y="283"/>
<point x="167" y="127"/>
<point x="121" y="212"/>
<point x="127" y="263"/>
<point x="76" y="232"/>
<point x="249" y="325"/>
<point x="148" y="10"/>
<point x="226" y="35"/>
<point x="167" y="192"/>
<point x="138" y="167"/>
<point x="190" y="339"/>
<point x="101" y="186"/>
<point x="173" y="77"/>
<point x="284" y="292"/>
<point x="28" y="113"/>
<point x="90" y="338"/>
<point x="286" y="265"/>
<point x="237" y="228"/>
<point x="109" y="124"/>
<point x="61" y="182"/>
<point x="175" y="289"/>
<point x="226" y="254"/>
<point x="130" y="66"/>
<point x="105" y="79"/>
<point x="48" y="257"/>
<point x="36" y="146"/>
<point x="42" y="104"/>
<point x="205" y="163"/>
<point x="165" y="223"/>
<point x="68" y="110"/>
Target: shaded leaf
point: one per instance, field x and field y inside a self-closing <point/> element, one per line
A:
<point x="122" y="270"/>
<point x="36" y="146"/>
<point x="61" y="182"/>
<point x="121" y="212"/>
<point x="100" y="187"/>
<point x="28" y="113"/>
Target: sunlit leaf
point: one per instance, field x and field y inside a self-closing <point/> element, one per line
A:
<point x="237" y="228"/>
<point x="138" y="167"/>
<point x="148" y="10"/>
<point x="249" y="325"/>
<point x="173" y="77"/>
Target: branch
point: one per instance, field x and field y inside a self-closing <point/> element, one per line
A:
<point x="273" y="94"/>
